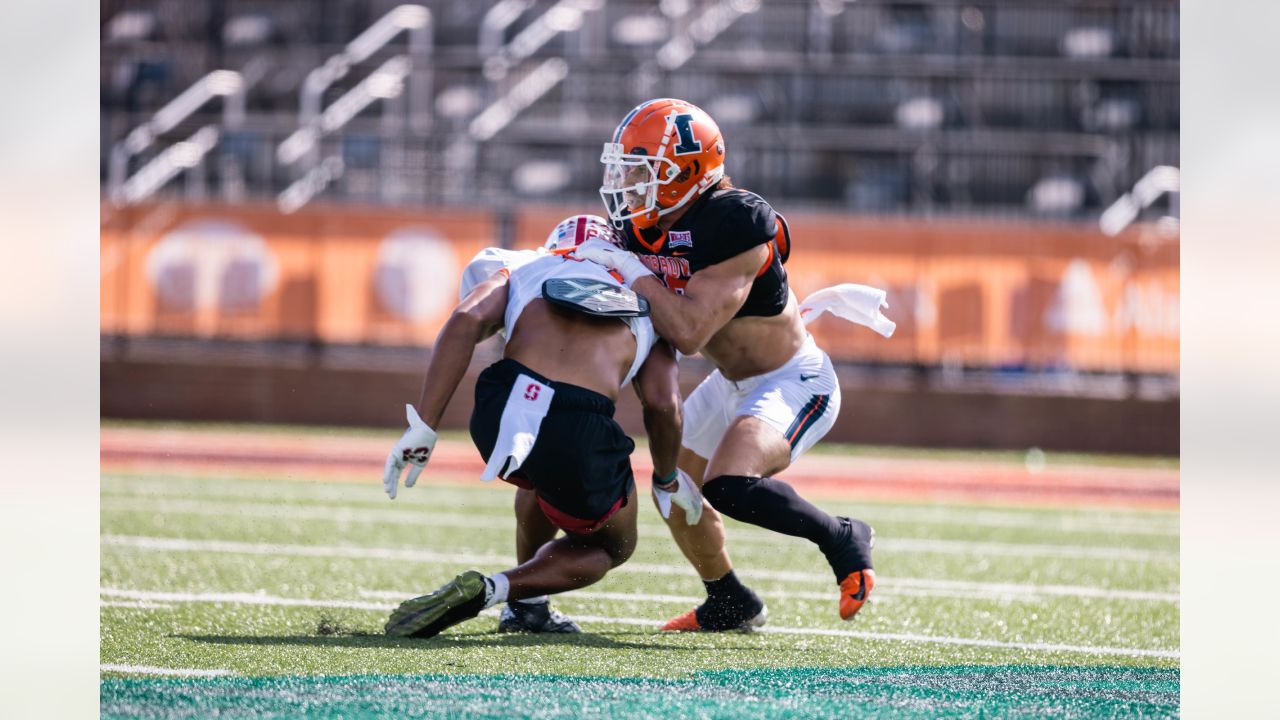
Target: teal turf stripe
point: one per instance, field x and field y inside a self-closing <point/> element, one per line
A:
<point x="906" y="693"/>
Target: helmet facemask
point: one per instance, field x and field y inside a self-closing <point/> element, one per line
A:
<point x="635" y="183"/>
<point x="631" y="184"/>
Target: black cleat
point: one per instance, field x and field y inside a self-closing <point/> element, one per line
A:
<point x="460" y="599"/>
<point x="720" y="614"/>
<point x="852" y="550"/>
<point x="519" y="616"/>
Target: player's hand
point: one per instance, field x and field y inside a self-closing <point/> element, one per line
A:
<point x="602" y="253"/>
<point x="683" y="492"/>
<point x="414" y="448"/>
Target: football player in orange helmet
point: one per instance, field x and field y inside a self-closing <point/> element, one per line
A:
<point x="708" y="258"/>
<point x="664" y="154"/>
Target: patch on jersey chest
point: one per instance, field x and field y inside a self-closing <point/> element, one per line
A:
<point x="594" y="297"/>
<point x="680" y="238"/>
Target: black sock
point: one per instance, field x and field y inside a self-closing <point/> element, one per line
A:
<point x="728" y="586"/>
<point x="771" y="504"/>
<point x="729" y="605"/>
<point x="774" y="505"/>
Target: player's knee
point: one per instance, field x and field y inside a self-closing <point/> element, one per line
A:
<point x="723" y="490"/>
<point x="620" y="552"/>
<point x="661" y="400"/>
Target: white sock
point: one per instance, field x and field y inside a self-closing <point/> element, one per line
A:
<point x="496" y="589"/>
<point x="540" y="600"/>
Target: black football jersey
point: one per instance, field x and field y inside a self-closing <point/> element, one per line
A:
<point x="720" y="225"/>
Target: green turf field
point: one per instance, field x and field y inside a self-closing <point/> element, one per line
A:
<point x="257" y="597"/>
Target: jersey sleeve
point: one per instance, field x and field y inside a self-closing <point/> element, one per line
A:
<point x="746" y="221"/>
<point x="489" y="261"/>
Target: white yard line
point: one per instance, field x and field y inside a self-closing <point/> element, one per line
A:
<point x="257" y="598"/>
<point x="398" y="595"/>
<point x="179" y="672"/>
<point x="885" y="588"/>
<point x="423" y="518"/>
<point x="134" y="604"/>
<point x="264" y="599"/>
<point x="979" y="549"/>
<point x="247" y="548"/>
<point x="909" y="637"/>
<point x="1071" y="521"/>
<point x="921" y="586"/>
<point x="1101" y="522"/>
<point x="962" y="589"/>
<point x="736" y="535"/>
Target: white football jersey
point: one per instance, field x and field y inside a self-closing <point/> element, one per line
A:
<point x="529" y="269"/>
<point x="489" y="261"/>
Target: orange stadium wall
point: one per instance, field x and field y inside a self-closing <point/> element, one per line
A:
<point x="979" y="294"/>
<point x="967" y="293"/>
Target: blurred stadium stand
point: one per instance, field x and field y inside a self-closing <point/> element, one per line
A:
<point x="959" y="153"/>
<point x="1011" y="107"/>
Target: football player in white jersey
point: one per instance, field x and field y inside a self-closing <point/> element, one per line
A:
<point x="543" y="420"/>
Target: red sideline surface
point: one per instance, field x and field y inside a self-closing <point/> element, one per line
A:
<point x="343" y="458"/>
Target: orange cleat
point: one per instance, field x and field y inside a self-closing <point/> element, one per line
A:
<point x="688" y="622"/>
<point x="854" y="591"/>
<point x="685" y="622"/>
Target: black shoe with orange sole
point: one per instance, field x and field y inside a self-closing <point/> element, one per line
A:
<point x="719" y="614"/>
<point x="854" y="552"/>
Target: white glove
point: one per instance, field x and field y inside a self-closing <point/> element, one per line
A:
<point x="414" y="448"/>
<point x="602" y="253"/>
<point x="685" y="494"/>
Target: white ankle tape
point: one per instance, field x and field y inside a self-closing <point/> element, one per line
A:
<point x="501" y="586"/>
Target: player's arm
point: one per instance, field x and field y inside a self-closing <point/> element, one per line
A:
<point x="710" y="300"/>
<point x="479" y="315"/>
<point x="657" y="386"/>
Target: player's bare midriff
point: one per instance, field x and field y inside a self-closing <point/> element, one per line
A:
<point x="750" y="346"/>
<point x="590" y="352"/>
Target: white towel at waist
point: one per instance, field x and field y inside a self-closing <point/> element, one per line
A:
<point x="518" y="429"/>
<point x="856" y="303"/>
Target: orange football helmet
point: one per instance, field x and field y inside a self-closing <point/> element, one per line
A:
<point x="663" y="155"/>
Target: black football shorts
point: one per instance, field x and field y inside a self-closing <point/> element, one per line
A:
<point x="580" y="466"/>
